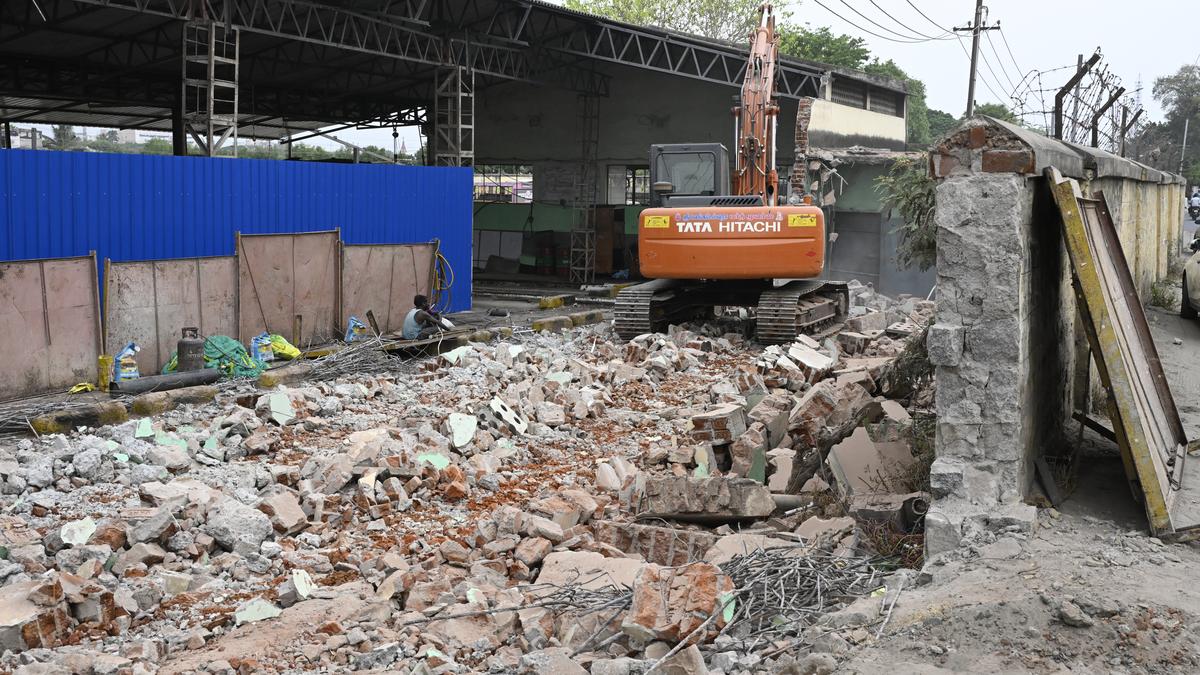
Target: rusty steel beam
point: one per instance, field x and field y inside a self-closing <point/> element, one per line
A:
<point x="1100" y="113"/>
<point x="1066" y="89"/>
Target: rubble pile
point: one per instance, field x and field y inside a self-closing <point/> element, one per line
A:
<point x="557" y="504"/>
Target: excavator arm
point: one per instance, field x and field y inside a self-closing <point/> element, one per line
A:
<point x="756" y="114"/>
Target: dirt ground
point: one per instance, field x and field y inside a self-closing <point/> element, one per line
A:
<point x="999" y="609"/>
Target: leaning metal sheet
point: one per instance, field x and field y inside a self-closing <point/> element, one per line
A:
<point x="289" y="282"/>
<point x="384" y="278"/>
<point x="49" y="325"/>
<point x="1141" y="408"/>
<point x="150" y="302"/>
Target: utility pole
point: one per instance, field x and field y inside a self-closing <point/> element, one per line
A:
<point x="976" y="27"/>
<point x="1183" y="150"/>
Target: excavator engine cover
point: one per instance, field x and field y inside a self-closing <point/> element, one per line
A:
<point x="732" y="242"/>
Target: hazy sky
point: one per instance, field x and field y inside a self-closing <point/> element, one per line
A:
<point x="1147" y="39"/>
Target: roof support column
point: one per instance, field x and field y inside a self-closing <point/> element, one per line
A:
<point x="454" y="117"/>
<point x="210" y="85"/>
<point x="178" y="130"/>
<point x="583" y="223"/>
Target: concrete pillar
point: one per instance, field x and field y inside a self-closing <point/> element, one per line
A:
<point x="979" y="345"/>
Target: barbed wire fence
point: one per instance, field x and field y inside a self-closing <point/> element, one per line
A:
<point x="1097" y="111"/>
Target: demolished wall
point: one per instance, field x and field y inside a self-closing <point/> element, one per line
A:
<point x="1006" y="344"/>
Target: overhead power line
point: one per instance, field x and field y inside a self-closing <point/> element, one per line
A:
<point x="868" y="32"/>
<point x="938" y="25"/>
<point x="1000" y="62"/>
<point x="944" y="36"/>
<point x="873" y="22"/>
<point x="982" y="78"/>
<point x="1010" y="51"/>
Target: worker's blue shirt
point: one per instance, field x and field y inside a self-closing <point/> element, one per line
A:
<point x="412" y="328"/>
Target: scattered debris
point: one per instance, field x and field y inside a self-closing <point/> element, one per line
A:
<point x="553" y="503"/>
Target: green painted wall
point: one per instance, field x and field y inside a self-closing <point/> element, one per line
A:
<point x="859" y="194"/>
<point x="514" y="217"/>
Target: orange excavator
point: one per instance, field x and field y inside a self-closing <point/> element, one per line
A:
<point x="706" y="243"/>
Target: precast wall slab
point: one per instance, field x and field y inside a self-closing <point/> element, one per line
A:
<point x="383" y="280"/>
<point x="150" y="302"/>
<point x="49" y="325"/>
<point x="288" y="285"/>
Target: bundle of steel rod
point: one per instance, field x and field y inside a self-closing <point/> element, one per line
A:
<point x="362" y="356"/>
<point x="15" y="415"/>
<point x="780" y="594"/>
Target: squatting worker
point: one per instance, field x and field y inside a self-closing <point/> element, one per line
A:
<point x="421" y="321"/>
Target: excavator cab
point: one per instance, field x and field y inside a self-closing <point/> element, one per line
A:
<point x="688" y="174"/>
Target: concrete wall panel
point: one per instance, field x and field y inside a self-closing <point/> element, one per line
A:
<point x="289" y="281"/>
<point x="150" y="302"/>
<point x="384" y="279"/>
<point x="49" y="325"/>
<point x="836" y="121"/>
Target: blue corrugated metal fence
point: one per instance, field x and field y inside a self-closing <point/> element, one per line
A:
<point x="140" y="207"/>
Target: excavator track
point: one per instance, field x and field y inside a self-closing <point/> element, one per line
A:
<point x="813" y="308"/>
<point x="639" y="308"/>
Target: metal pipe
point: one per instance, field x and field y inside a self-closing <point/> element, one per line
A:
<point x="1066" y="88"/>
<point x="167" y="382"/>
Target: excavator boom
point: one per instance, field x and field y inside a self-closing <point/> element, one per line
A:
<point x="756" y="115"/>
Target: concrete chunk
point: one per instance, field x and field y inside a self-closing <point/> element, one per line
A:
<point x="25" y="625"/>
<point x="284" y="511"/>
<point x="461" y="429"/>
<point x="717" y="499"/>
<point x="239" y="528"/>
<point x="722" y="423"/>
<point x="669" y="603"/>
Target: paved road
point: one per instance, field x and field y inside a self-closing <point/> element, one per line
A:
<point x="1181" y="362"/>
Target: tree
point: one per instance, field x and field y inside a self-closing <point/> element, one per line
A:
<point x="1179" y="94"/>
<point x="157" y="146"/>
<point x="908" y="188"/>
<point x="1160" y="144"/>
<point x="109" y="136"/>
<point x="730" y="20"/>
<point x="940" y="123"/>
<point x="997" y="110"/>
<point x="822" y="46"/>
<point x="63" y="138"/>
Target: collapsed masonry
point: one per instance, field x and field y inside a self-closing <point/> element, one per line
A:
<point x="557" y="504"/>
<point x="1011" y="364"/>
